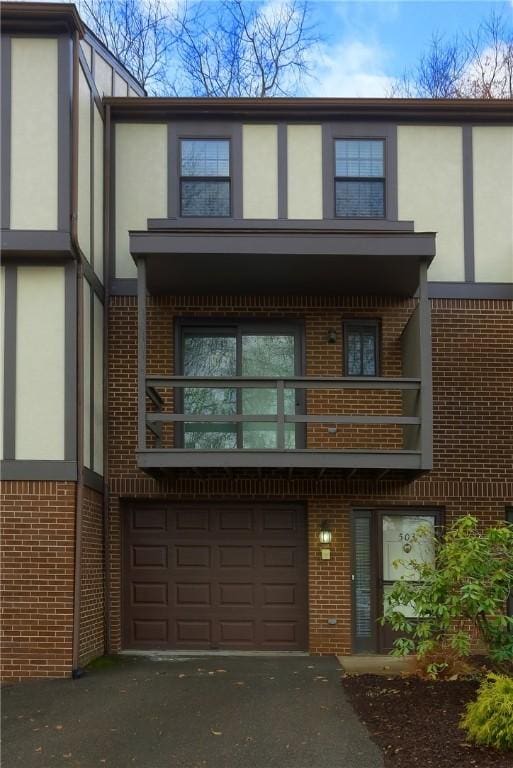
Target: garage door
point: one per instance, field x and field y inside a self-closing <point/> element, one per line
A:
<point x="216" y="576"/>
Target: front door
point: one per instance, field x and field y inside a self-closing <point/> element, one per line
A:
<point x="241" y="350"/>
<point x="384" y="542"/>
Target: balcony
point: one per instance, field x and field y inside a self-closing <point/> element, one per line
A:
<point x="339" y="424"/>
<point x="308" y="439"/>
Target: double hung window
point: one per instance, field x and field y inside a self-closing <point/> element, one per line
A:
<point x="359" y="178"/>
<point x="205" y="183"/>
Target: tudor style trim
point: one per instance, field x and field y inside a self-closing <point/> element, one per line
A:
<point x="25" y="469"/>
<point x="9" y="403"/>
<point x="468" y="204"/>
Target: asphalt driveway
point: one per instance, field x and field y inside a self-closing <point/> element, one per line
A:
<point x="199" y="712"/>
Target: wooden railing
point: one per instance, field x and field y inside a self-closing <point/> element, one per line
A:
<point x="158" y="389"/>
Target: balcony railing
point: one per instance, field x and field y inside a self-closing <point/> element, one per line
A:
<point x="388" y="440"/>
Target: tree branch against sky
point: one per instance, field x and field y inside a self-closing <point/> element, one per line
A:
<point x="476" y="65"/>
<point x="138" y="32"/>
<point x="226" y="48"/>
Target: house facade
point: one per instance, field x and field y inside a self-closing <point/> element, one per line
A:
<point x="249" y="346"/>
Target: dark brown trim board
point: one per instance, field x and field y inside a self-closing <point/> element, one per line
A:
<point x="128" y="287"/>
<point x="9" y="403"/>
<point x="5" y="133"/>
<point x="282" y="171"/>
<point x="484" y="111"/>
<point x="294" y="226"/>
<point x="97" y="45"/>
<point x="468" y="203"/>
<point x="41" y="16"/>
<point x="90" y="80"/>
<point x="280" y="262"/>
<point x="439" y="290"/>
<point x="93" y="480"/>
<point x="38" y="470"/>
<point x="36" y="243"/>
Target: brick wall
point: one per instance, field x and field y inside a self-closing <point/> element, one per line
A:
<point x="92" y="620"/>
<point x="473" y="422"/>
<point x="38" y="526"/>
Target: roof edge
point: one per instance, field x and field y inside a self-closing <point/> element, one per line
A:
<point x="60" y="14"/>
<point x="308" y="109"/>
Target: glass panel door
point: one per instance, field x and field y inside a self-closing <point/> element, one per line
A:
<point x="267" y="355"/>
<point x="401" y="545"/>
<point x="238" y="351"/>
<point x="209" y="354"/>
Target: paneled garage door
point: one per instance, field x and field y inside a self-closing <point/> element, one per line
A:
<point x="216" y="576"/>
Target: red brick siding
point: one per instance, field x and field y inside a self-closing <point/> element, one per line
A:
<point x="38" y="527"/>
<point x="473" y="421"/>
<point x="92" y="641"/>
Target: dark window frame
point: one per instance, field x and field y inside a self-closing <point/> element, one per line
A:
<point x="240" y="325"/>
<point x="205" y="129"/>
<point x="353" y="323"/>
<point x="374" y="643"/>
<point x="214" y="179"/>
<point x="332" y="131"/>
<point x="358" y="179"/>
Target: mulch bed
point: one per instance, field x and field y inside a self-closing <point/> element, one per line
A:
<point x="415" y="722"/>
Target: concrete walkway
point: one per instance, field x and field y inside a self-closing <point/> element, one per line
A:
<point x="183" y="712"/>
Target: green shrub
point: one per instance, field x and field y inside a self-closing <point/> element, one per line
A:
<point x="464" y="591"/>
<point x="489" y="719"/>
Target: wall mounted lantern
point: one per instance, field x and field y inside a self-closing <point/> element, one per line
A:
<point x="325" y="539"/>
<point x="332" y="336"/>
<point x="325" y="533"/>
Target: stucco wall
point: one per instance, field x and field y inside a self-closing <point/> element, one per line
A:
<point x="40" y="368"/>
<point x="34" y="133"/>
<point x="430" y="186"/>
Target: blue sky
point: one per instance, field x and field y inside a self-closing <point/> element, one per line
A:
<point x="368" y="44"/>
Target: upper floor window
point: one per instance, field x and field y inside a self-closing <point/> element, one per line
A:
<point x="361" y="348"/>
<point x="360" y="178"/>
<point x="205" y="186"/>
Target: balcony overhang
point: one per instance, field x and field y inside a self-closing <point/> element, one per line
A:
<point x="284" y="258"/>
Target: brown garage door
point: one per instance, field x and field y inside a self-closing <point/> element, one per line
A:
<point x="216" y="576"/>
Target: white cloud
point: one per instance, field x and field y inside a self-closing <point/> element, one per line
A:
<point x="351" y="68"/>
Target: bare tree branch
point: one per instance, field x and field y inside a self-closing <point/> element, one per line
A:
<point x="477" y="65"/>
<point x="138" y="32"/>
<point x="245" y="48"/>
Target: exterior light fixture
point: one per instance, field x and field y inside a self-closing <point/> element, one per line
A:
<point x="332" y="336"/>
<point x="325" y="533"/>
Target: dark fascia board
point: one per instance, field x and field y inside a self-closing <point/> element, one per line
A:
<point x="305" y="241"/>
<point x="315" y="109"/>
<point x="93" y="480"/>
<point x="99" y="47"/>
<point x="301" y="459"/>
<point x="499" y="291"/>
<point x="39" y="17"/>
<point x="290" y="225"/>
<point x="280" y="261"/>
<point x="25" y="469"/>
<point x="24" y="242"/>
